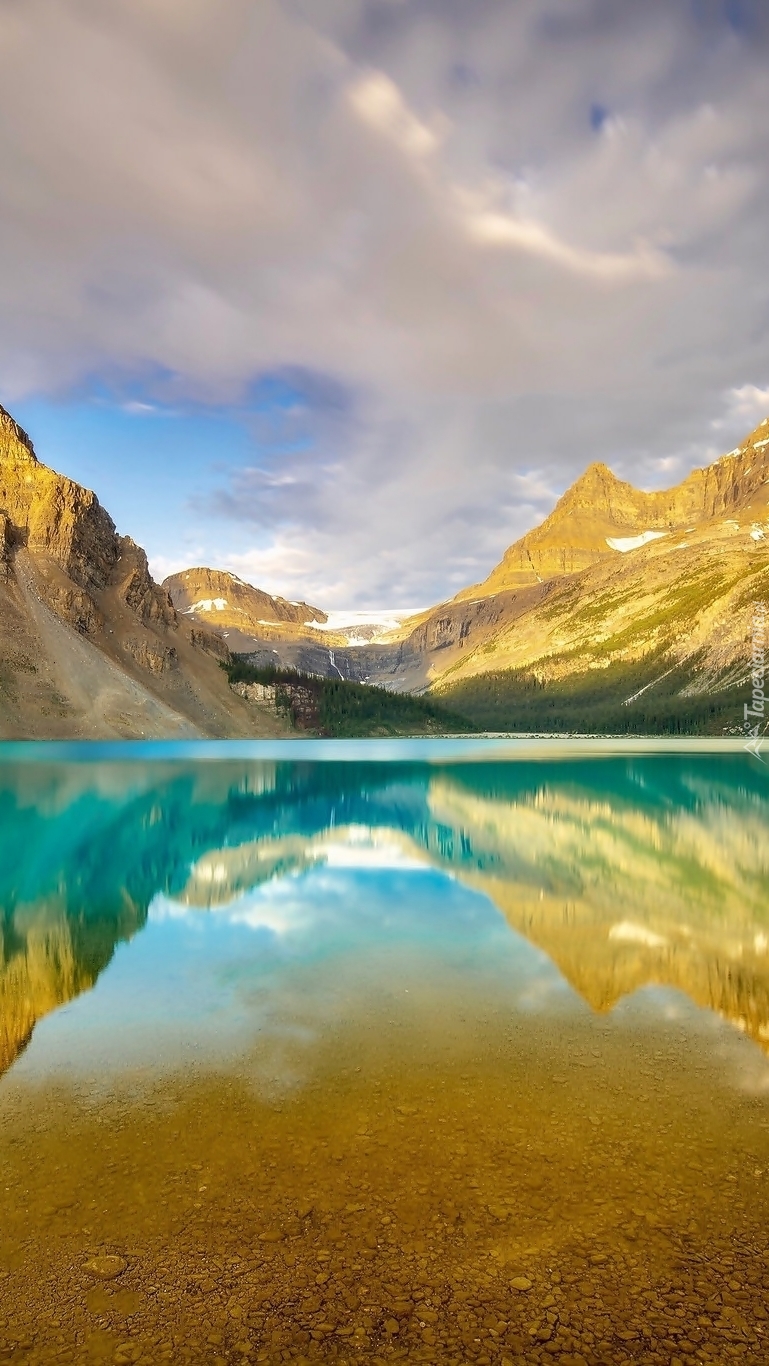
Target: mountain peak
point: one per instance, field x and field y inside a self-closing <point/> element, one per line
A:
<point x="599" y="510"/>
<point x="597" y="483"/>
<point x="596" y="470"/>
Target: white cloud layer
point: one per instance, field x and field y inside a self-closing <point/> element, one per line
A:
<point x="511" y="237"/>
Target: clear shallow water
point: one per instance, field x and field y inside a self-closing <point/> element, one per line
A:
<point x="331" y="1054"/>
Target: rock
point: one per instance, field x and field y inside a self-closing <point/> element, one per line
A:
<point x="521" y="1283"/>
<point x="106" y="1268"/>
<point x="152" y="655"/>
<point x="256" y="692"/>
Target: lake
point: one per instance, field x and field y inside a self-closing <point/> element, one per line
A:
<point x="431" y="1051"/>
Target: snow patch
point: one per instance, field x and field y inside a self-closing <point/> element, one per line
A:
<point x="758" y="444"/>
<point x="625" y="543"/>
<point x="361" y="627"/>
<point x="207" y="605"/>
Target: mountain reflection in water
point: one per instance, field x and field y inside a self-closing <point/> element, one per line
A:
<point x="625" y="872"/>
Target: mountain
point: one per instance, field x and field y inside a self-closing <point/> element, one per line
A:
<point x="600" y="516"/>
<point x="251" y="621"/>
<point x="624" y="610"/>
<point x="617" y="612"/>
<point x="662" y="613"/>
<point x="614" y="613"/>
<point x="236" y="610"/>
<point x="90" y="645"/>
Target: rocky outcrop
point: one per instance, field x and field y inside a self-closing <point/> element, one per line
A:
<point x="61" y="523"/>
<point x="209" y="641"/>
<point x="256" y="692"/>
<point x="136" y="587"/>
<point x="156" y="658"/>
<point x="299" y="700"/>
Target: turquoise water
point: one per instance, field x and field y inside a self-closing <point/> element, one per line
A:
<point x="442" y="1051"/>
<point x="173" y="904"/>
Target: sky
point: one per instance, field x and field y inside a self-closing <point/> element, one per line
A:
<point x="340" y="295"/>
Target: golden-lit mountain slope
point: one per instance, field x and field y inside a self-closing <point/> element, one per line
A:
<point x="90" y="645"/>
<point x="600" y="516"/>
<point x="614" y="582"/>
<point x="616" y="589"/>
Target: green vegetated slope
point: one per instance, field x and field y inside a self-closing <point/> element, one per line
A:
<point x="601" y="701"/>
<point x="659" y="644"/>
<point x="337" y="709"/>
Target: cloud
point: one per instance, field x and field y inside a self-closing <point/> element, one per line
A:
<point x="416" y="209"/>
<point x="489" y="226"/>
<point x="379" y="102"/>
<point x="747" y="403"/>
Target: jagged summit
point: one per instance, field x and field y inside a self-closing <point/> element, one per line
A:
<point x="601" y="515"/>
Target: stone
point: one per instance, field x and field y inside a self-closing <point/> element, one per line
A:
<point x="521" y="1283"/>
<point x="106" y="1268"/>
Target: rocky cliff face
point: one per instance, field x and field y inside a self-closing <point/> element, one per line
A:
<point x="600" y="508"/>
<point x="89" y="644"/>
<point x="57" y="520"/>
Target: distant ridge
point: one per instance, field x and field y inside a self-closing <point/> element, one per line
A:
<point x="215" y="594"/>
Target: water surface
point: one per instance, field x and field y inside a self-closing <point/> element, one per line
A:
<point x="451" y="1057"/>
